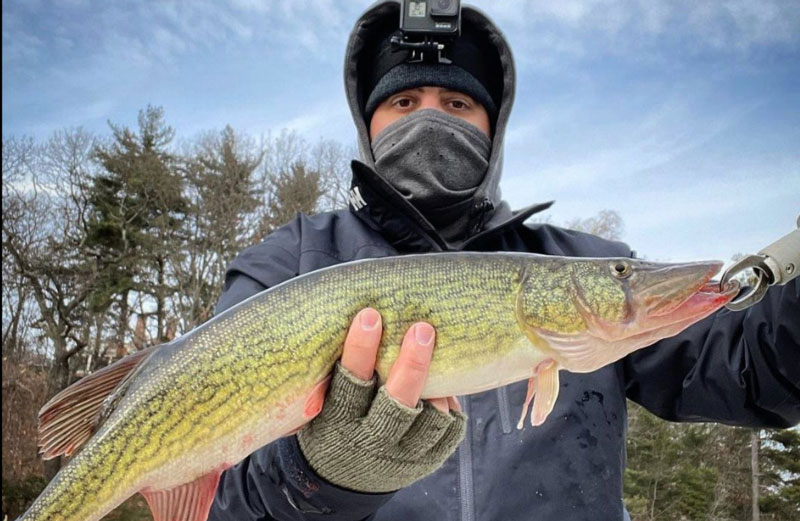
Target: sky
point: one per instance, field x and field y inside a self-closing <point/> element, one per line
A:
<point x="682" y="116"/>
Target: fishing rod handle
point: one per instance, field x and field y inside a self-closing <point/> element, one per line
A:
<point x="783" y="258"/>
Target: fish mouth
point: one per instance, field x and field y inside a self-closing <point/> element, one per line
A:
<point x="662" y="296"/>
<point x="680" y="292"/>
<point x="708" y="297"/>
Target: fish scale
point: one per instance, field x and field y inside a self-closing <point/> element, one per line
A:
<point x="209" y="398"/>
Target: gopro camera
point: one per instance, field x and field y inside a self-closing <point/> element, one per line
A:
<point x="432" y="18"/>
<point x="426" y="27"/>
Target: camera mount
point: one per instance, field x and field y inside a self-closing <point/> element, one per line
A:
<point x="426" y="29"/>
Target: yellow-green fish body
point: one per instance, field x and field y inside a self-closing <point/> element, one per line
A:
<point x="211" y="397"/>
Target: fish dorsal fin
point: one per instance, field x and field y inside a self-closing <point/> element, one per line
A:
<point x="188" y="502"/>
<point x="71" y="417"/>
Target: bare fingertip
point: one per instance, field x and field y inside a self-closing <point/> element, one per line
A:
<point x="424" y="333"/>
<point x="441" y="404"/>
<point x="454" y="404"/>
<point x="369" y="319"/>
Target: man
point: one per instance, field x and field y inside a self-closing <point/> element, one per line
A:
<point x="431" y="138"/>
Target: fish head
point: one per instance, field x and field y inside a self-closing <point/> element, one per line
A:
<point x="593" y="312"/>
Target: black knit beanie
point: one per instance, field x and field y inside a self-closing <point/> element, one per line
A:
<point x="475" y="70"/>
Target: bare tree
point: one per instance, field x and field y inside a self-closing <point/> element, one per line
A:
<point x="607" y="224"/>
<point x="43" y="243"/>
<point x="332" y="160"/>
<point x="755" y="444"/>
<point x="42" y="239"/>
<point x="289" y="181"/>
<point x="17" y="158"/>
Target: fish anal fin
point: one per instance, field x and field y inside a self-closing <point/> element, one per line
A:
<point x="187" y="502"/>
<point x="546" y="390"/>
<point x="71" y="416"/>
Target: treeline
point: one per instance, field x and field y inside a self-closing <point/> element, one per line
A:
<point x="704" y="471"/>
<point x="115" y="242"/>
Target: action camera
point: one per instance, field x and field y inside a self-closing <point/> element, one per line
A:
<point x="426" y="29"/>
<point x="430" y="17"/>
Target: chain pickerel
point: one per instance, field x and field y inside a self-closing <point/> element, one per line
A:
<point x="167" y="421"/>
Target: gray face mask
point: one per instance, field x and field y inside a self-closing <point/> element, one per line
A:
<point x="435" y="160"/>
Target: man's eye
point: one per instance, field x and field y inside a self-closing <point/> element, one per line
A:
<point x="459" y="104"/>
<point x="402" y="103"/>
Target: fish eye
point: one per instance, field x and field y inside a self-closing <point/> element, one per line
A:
<point x="621" y="269"/>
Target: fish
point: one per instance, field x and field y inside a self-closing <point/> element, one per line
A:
<point x="167" y="421"/>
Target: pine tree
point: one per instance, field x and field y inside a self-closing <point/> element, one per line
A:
<point x="138" y="204"/>
<point x="780" y="475"/>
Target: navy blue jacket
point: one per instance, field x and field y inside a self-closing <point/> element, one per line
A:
<point x="736" y="368"/>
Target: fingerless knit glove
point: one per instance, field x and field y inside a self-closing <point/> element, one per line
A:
<point x="368" y="442"/>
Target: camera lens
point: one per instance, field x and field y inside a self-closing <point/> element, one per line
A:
<point x="445" y="8"/>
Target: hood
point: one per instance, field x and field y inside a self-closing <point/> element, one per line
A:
<point x="487" y="208"/>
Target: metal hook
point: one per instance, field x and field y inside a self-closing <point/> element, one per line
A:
<point x="755" y="293"/>
<point x="776" y="264"/>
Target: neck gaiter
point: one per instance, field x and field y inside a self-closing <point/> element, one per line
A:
<point x="436" y="161"/>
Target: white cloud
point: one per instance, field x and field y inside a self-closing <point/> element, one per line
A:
<point x="253" y="6"/>
<point x="318" y="120"/>
<point x="753" y="22"/>
<point x="543" y="33"/>
<point x="742" y="24"/>
<point x="19" y="43"/>
<point x="628" y="145"/>
<point x="547" y="31"/>
<point x="704" y="217"/>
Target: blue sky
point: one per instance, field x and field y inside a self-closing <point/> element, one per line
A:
<point x="683" y="116"/>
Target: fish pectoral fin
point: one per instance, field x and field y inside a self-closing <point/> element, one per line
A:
<point x="528" y="398"/>
<point x="546" y="389"/>
<point x="71" y="417"/>
<point x="188" y="502"/>
<point x="543" y="390"/>
<point x="313" y="404"/>
<point x="315" y="399"/>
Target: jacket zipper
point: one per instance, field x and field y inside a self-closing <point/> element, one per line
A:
<point x="502" y="403"/>
<point x="466" y="486"/>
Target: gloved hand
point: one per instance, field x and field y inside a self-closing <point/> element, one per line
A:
<point x="380" y="440"/>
